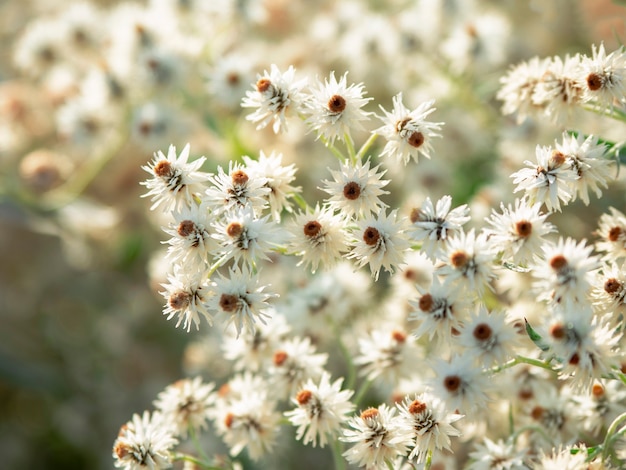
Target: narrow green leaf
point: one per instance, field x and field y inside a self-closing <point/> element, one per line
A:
<point x="535" y="337"/>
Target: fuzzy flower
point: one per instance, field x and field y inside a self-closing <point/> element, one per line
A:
<point x="174" y="181"/>
<point x="186" y="404"/>
<point x="562" y="458"/>
<point x="548" y="181"/>
<point x="490" y="337"/>
<point x="278" y="179"/>
<point x="144" y="443"/>
<point x="356" y="189"/>
<point x="429" y="424"/>
<point x="274" y="95"/>
<point x="564" y="273"/>
<point x="381" y="243"/>
<point x="501" y="455"/>
<point x="377" y="438"/>
<point x="244" y="237"/>
<point x="187" y="295"/>
<point x="612" y="233"/>
<point x="588" y="160"/>
<point x="408" y="133"/>
<point x="604" y="76"/>
<point x="236" y="190"/>
<point x="321" y="410"/>
<point x="387" y="353"/>
<point x="295" y="361"/>
<point x="460" y="384"/>
<point x="318" y="236"/>
<point x="469" y="260"/>
<point x="433" y="225"/>
<point x="609" y="289"/>
<point x="191" y="242"/>
<point x="240" y="300"/>
<point x="518" y="232"/>
<point x="335" y="108"/>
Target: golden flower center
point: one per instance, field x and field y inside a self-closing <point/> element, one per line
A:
<point x="263" y="84"/>
<point x="239" y="177"/>
<point x="280" y="357"/>
<point x="336" y="103"/>
<point x="304" y="396"/>
<point x="417" y="407"/>
<point x="597" y="390"/>
<point x="163" y="169"/>
<point x="369" y="413"/>
<point x="398" y="336"/>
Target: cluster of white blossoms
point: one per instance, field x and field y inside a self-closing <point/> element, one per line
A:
<point x="498" y="315"/>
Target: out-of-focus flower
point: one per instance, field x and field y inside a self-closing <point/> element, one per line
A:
<point x="187" y="295"/>
<point x="604" y="76"/>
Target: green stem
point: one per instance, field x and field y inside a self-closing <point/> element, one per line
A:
<point x="194" y="460"/>
<point x="610" y="434"/>
<point x="196" y="443"/>
<point x="613" y="113"/>
<point x="297" y="197"/>
<point x="338" y="460"/>
<point x="366" y="146"/>
<point x="350" y="147"/>
<point x="429" y="460"/>
<point x="522" y="360"/>
<point x="335" y="151"/>
<point x="536" y="429"/>
<point x="362" y="391"/>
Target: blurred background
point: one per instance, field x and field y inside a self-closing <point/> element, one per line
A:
<point x="89" y="91"/>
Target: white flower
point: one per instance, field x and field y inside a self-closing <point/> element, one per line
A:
<point x="490" y="337"/>
<point x="548" y="181"/>
<point x="356" y="189"/>
<point x="244" y="237"/>
<point x="377" y="438"/>
<point x="277" y="178"/>
<point x="144" y="442"/>
<point x="604" y="76"/>
<point x="388" y="353"/>
<point x="187" y="296"/>
<point x="295" y="361"/>
<point x="252" y="351"/>
<point x="564" y="273"/>
<point x="609" y="289"/>
<point x="461" y="384"/>
<point x="321" y="410"/>
<point x="274" y="94"/>
<point x="562" y="458"/>
<point x="236" y="190"/>
<point x="501" y="455"/>
<point x="191" y="242"/>
<point x="380" y="243"/>
<point x="240" y="300"/>
<point x="518" y="232"/>
<point x="429" y="424"/>
<point x="470" y="262"/>
<point x="186" y="404"/>
<point x="612" y="233"/>
<point x="439" y="311"/>
<point x="588" y="160"/>
<point x="433" y="225"/>
<point x="518" y="88"/>
<point x="249" y="422"/>
<point x="318" y="236"/>
<point x="408" y="133"/>
<point x="174" y="181"/>
<point x="335" y="108"/>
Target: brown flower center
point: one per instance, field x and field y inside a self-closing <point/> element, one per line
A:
<point x="163" y="169"/>
<point x="369" y="413"/>
<point x="228" y="420"/>
<point x="594" y="81"/>
<point x="263" y="84"/>
<point x="336" y="103"/>
<point x="557" y="158"/>
<point x="611" y="286"/>
<point x="304" y="396"/>
<point x="597" y="390"/>
<point x="417" y="407"/>
<point x="452" y="383"/>
<point x="524" y="228"/>
<point x="398" y="336"/>
<point x="614" y="234"/>
<point x="426" y="302"/>
<point x="234" y="229"/>
<point x="280" y="357"/>
<point x="179" y="300"/>
<point x="312" y="228"/>
<point x="415" y="215"/>
<point x="121" y="450"/>
<point x="558" y="262"/>
<point x="557" y="331"/>
<point x="416" y="139"/>
<point x="371" y="236"/>
<point x="482" y="332"/>
<point x="537" y="413"/>
<point x="352" y="190"/>
<point x="229" y="302"/>
<point x="459" y="259"/>
<point x="186" y="228"/>
<point x="239" y="177"/>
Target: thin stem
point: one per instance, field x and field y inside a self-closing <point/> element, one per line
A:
<point x="338" y="460"/>
<point x="536" y="429"/>
<point x="335" y="151"/>
<point x="613" y="113"/>
<point x="366" y="146"/>
<point x="297" y="197"/>
<point x="194" y="460"/>
<point x="196" y="443"/>
<point x="350" y="147"/>
<point x="362" y="391"/>
<point x="429" y="459"/>
<point x="610" y="434"/>
<point x="522" y="360"/>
